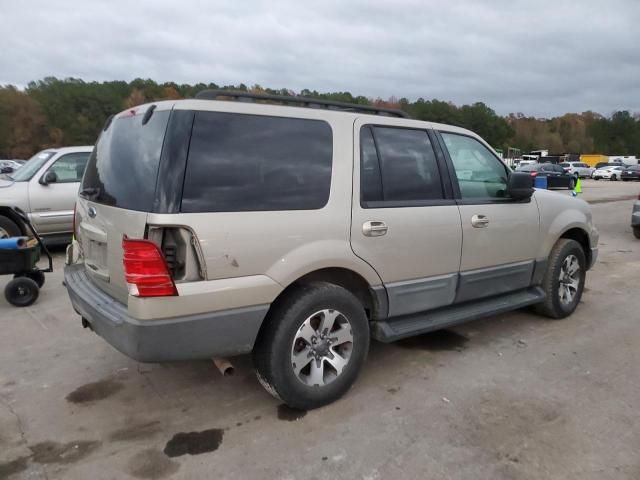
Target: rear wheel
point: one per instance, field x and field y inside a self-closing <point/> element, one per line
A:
<point x="572" y="184"/>
<point x="21" y="292"/>
<point x="636" y="232"/>
<point x="614" y="177"/>
<point x="313" y="345"/>
<point x="564" y="279"/>
<point x="8" y="228"/>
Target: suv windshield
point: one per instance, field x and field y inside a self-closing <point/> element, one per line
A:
<point x="123" y="167"/>
<point x="29" y="169"/>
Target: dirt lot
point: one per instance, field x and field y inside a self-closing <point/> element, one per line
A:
<point x="514" y="396"/>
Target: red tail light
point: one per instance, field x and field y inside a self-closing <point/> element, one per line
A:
<point x="534" y="174"/>
<point x="146" y="270"/>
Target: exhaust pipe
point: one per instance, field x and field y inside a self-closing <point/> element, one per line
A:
<point x="224" y="366"/>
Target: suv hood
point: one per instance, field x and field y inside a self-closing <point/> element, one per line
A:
<point x="5" y="181"/>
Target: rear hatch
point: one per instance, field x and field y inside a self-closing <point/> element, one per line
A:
<point x="117" y="192"/>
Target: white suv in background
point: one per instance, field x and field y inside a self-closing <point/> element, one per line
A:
<point x="45" y="188"/>
<point x="579" y="169"/>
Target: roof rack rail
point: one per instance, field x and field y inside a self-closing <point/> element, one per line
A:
<point x="301" y="101"/>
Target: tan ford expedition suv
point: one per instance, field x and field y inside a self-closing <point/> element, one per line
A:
<point x="297" y="232"/>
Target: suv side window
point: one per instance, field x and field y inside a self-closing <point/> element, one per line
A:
<point x="70" y="167"/>
<point x="240" y="162"/>
<point x="480" y="174"/>
<point x="398" y="165"/>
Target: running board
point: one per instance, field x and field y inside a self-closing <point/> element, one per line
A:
<point x="398" y="328"/>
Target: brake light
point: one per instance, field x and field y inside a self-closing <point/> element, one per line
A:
<point x="534" y="174"/>
<point x="146" y="270"/>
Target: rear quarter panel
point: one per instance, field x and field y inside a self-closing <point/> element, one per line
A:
<point x="258" y="254"/>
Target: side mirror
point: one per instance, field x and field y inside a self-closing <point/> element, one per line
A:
<point x="520" y="186"/>
<point x="6" y="170"/>
<point x="49" y="177"/>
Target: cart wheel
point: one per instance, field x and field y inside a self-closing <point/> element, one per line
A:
<point x="21" y="292"/>
<point x="35" y="275"/>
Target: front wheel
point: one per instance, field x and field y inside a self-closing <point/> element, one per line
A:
<point x="636" y="232"/>
<point x="312" y="346"/>
<point x="8" y="228"/>
<point x="614" y="177"/>
<point x="572" y="184"/>
<point x="564" y="279"/>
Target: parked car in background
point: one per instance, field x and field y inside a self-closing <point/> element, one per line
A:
<point x="524" y="162"/>
<point x="298" y="234"/>
<point x="45" y="188"/>
<point x="602" y="164"/>
<point x="635" y="218"/>
<point x="582" y="170"/>
<point x="609" y="173"/>
<point x="632" y="172"/>
<point x="9" y="166"/>
<point x="557" y="177"/>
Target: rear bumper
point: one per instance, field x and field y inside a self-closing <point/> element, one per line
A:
<point x="224" y="333"/>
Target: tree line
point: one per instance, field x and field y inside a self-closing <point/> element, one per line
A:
<point x="56" y="112"/>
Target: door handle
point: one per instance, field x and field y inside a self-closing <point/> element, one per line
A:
<point x="374" y="229"/>
<point x="479" y="221"/>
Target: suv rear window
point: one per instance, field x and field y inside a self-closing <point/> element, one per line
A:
<point x="240" y="162"/>
<point x="123" y="167"/>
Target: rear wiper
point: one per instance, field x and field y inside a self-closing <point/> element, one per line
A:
<point x="89" y="192"/>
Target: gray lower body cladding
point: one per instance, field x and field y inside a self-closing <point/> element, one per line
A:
<point x="226" y="333"/>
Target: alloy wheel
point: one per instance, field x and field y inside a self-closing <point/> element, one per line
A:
<point x="322" y="348"/>
<point x="569" y="279"/>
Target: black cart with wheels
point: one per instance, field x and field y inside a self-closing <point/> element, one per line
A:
<point x="24" y="289"/>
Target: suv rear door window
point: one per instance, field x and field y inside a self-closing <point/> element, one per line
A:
<point x="241" y="162"/>
<point x="123" y="167"/>
<point x="402" y="168"/>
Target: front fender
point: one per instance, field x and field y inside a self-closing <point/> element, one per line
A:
<point x="560" y="213"/>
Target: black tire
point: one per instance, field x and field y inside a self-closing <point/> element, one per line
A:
<point x="636" y="232"/>
<point x="596" y="178"/>
<point x="36" y="275"/>
<point x="572" y="184"/>
<point x="21" y="292"/>
<point x="553" y="307"/>
<point x="272" y="354"/>
<point x="614" y="178"/>
<point x="8" y="228"/>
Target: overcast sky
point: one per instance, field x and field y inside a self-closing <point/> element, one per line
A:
<point x="539" y="57"/>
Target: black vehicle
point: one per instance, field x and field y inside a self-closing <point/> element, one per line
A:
<point x="556" y="175"/>
<point x="632" y="172"/>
